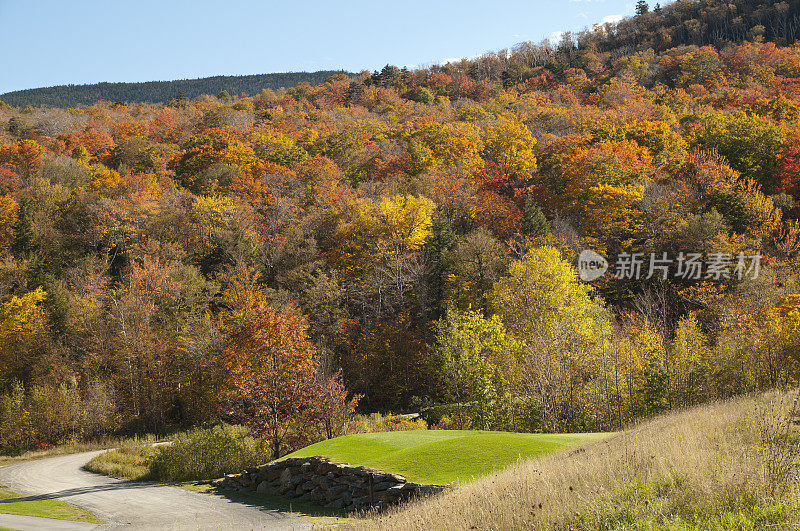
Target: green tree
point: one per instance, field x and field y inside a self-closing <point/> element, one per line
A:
<point x="750" y="143"/>
<point x="476" y="361"/>
<point x="534" y="223"/>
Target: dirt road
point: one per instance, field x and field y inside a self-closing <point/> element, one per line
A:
<point x="130" y="504"/>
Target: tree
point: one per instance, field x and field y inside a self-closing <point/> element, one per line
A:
<point x="27" y="156"/>
<point x="377" y="243"/>
<point x="641" y="8"/>
<point x="456" y="145"/>
<point x="690" y="364"/>
<point x="9" y="215"/>
<point x="619" y="163"/>
<point x="477" y="260"/>
<point x="542" y="302"/>
<point x="750" y="143"/>
<point x="138" y="307"/>
<point x="330" y="406"/>
<point x="267" y="363"/>
<point x="270" y="370"/>
<point x="476" y="361"/>
<point x="22" y="321"/>
<point x="534" y="223"/>
<point x="510" y="143"/>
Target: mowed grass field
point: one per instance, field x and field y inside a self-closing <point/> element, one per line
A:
<point x="442" y="456"/>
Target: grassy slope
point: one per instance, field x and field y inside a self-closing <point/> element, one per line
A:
<point x="440" y="456"/>
<point x="705" y="468"/>
<point x="43" y="508"/>
<point x="130" y="462"/>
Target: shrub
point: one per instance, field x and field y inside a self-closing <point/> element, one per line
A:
<point x="208" y="453"/>
<point x="378" y="423"/>
<point x="130" y="461"/>
<point x="43" y="416"/>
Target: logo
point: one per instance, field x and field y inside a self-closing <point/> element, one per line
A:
<point x="591" y="265"/>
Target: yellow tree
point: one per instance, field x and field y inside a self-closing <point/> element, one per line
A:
<point x="690" y="364"/>
<point x="611" y="210"/>
<point x="22" y="319"/>
<point x="456" y="145"/>
<point x="9" y="213"/>
<point x="638" y="375"/>
<point x="476" y="361"/>
<point x="368" y="232"/>
<point x="510" y="143"/>
<point x="543" y="303"/>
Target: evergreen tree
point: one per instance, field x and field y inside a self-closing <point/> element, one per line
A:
<point x="641" y="8"/>
<point x="437" y="249"/>
<point x="534" y="223"/>
<point x="24" y="242"/>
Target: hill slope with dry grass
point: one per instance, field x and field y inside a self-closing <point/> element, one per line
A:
<point x="726" y="465"/>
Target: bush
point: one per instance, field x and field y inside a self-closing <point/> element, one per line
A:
<point x="507" y="414"/>
<point x="208" y="453"/>
<point x="378" y="423"/>
<point x="40" y="417"/>
<point x="129" y="461"/>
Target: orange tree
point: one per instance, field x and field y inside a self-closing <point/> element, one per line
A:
<point x="270" y="370"/>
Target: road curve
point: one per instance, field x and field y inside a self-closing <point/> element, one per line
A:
<point x="135" y="505"/>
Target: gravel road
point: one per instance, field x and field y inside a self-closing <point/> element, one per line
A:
<point x="128" y="504"/>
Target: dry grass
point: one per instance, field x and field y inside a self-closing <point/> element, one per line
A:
<point x="126" y="462"/>
<point x="706" y="468"/>
<point x="78" y="447"/>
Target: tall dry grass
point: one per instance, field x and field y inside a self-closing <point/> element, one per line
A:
<point x="704" y="468"/>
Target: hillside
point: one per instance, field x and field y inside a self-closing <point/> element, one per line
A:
<point x="707" y="22"/>
<point x="413" y="236"/>
<point x="159" y="91"/>
<point x="441" y="456"/>
<point x="727" y="465"/>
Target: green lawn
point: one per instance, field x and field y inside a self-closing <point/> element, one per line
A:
<point x="43" y="508"/>
<point x="441" y="456"/>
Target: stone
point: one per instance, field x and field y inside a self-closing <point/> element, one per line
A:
<point x="265" y="487"/>
<point x="362" y="501"/>
<point x="336" y="485"/>
<point x="427" y="490"/>
<point x="383" y="485"/>
<point x="285" y="477"/>
<point x="307" y="486"/>
<point x="336" y="504"/>
<point x="394" y="492"/>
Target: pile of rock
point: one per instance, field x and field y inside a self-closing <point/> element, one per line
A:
<point x="332" y="485"/>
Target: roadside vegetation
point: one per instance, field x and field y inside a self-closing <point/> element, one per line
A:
<point x="202" y="453"/>
<point x="74" y="447"/>
<point x="726" y="465"/>
<point x="14" y="503"/>
<point x="208" y="453"/>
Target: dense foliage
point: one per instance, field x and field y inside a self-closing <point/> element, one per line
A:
<point x="159" y="91"/>
<point x="406" y="236"/>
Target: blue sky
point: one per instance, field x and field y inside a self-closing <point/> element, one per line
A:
<point x="55" y="42"/>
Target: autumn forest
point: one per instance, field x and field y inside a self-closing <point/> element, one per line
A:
<point x="409" y="240"/>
